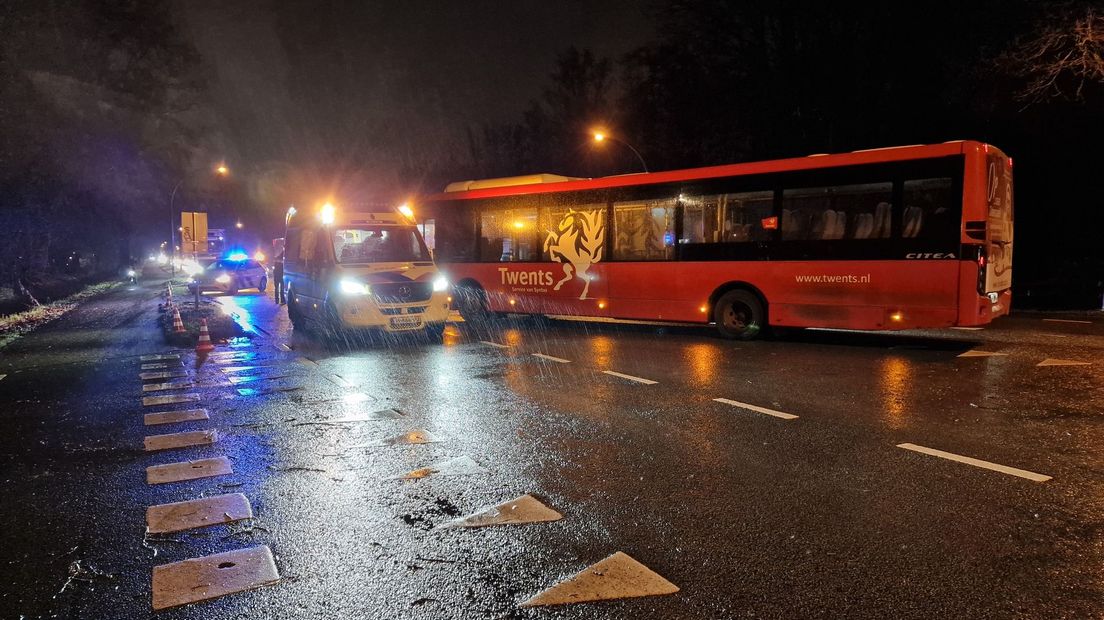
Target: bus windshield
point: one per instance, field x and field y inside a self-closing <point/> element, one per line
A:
<point x="378" y="244"/>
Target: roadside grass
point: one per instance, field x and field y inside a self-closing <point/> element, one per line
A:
<point x="15" y="325"/>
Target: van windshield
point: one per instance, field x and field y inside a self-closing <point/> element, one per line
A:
<point x="378" y="244"/>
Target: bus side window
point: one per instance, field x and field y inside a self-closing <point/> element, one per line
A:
<point x="644" y="231"/>
<point x="838" y="212"/>
<point x="744" y="215"/>
<point x="930" y="212"/>
<point x="699" y="219"/>
<point x="509" y="235"/>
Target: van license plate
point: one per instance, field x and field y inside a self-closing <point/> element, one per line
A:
<point x="405" y="322"/>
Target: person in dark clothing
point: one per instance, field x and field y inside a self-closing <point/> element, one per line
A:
<point x="278" y="280"/>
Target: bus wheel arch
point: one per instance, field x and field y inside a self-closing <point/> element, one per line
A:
<point x="739" y="310"/>
<point x="471" y="300"/>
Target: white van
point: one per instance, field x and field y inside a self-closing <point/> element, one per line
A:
<point x="362" y="270"/>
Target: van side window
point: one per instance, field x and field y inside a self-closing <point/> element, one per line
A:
<point x="306" y="245"/>
<point x="291" y="245"/>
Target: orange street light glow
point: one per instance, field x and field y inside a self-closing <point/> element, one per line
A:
<point x="222" y="170"/>
<point x="599" y="136"/>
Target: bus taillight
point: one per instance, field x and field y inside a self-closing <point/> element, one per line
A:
<point x="982" y="260"/>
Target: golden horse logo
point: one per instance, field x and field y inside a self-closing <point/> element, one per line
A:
<point x="577" y="243"/>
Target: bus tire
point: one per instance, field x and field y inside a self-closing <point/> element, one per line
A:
<point x="740" y="315"/>
<point x="472" y="304"/>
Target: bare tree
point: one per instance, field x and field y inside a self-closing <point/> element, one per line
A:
<point x="1063" y="56"/>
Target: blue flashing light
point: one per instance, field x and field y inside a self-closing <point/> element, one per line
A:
<point x="238" y="257"/>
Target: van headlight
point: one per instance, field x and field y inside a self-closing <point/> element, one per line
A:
<point x="223" y="279"/>
<point x="440" y="284"/>
<point x="352" y="287"/>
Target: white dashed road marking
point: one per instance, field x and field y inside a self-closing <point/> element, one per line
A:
<point x="1067" y="321"/>
<point x="630" y="377"/>
<point x="174" y="417"/>
<point x="1004" y="469"/>
<point x="149" y="401"/>
<point x="777" y="414"/>
<point x="618" y="576"/>
<point x="173" y="374"/>
<point x="552" y="359"/>
<point x="340" y="381"/>
<point x="181" y="516"/>
<point x="160" y="358"/>
<point x="186" y="439"/>
<point x="212" y="576"/>
<point x="188" y="470"/>
<point x="2" y="377"/>
<point x="171" y="385"/>
<point x="283" y="347"/>
<point x="494" y="344"/>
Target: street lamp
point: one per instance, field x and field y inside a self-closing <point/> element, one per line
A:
<point x="222" y="171"/>
<point x="239" y="225"/>
<point x="601" y="136"/>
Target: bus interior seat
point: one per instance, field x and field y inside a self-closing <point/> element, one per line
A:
<point x="864" y="225"/>
<point x="882" y="220"/>
<point x="914" y="219"/>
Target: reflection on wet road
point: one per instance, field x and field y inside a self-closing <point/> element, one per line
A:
<point x="827" y="474"/>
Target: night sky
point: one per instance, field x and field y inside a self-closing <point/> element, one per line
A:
<point x="371" y="85"/>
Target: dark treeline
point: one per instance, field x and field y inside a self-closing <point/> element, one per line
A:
<point x="101" y="111"/>
<point x="729" y="81"/>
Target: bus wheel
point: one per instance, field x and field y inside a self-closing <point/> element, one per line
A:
<point x="739" y="315"/>
<point x="472" y="304"/>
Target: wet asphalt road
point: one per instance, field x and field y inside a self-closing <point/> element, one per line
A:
<point x="751" y="515"/>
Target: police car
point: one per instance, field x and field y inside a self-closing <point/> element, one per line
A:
<point x="230" y="275"/>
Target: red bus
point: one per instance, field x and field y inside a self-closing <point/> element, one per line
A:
<point x="895" y="238"/>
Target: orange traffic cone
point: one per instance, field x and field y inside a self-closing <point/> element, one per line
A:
<point x="204" y="346"/>
<point x="178" y="324"/>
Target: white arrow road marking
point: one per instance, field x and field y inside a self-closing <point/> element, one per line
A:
<point x="518" y="511"/>
<point x="416" y="436"/>
<point x="777" y="414"/>
<point x="459" y="466"/>
<point x="552" y="359"/>
<point x="618" y="576"/>
<point x="212" y="576"/>
<point x="1004" y="469"/>
<point x="630" y="377"/>
<point x="1050" y="361"/>
<point x="977" y="353"/>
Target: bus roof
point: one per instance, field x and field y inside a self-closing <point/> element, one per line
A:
<point x="488" y="189"/>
